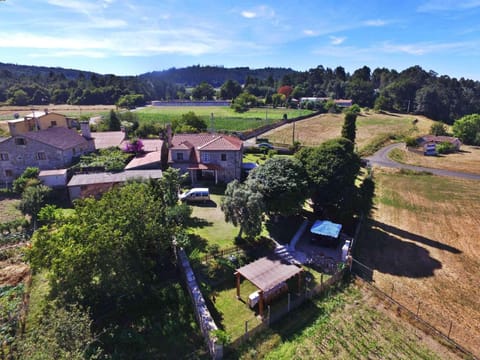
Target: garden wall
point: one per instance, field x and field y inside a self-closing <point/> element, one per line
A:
<point x="204" y="318"/>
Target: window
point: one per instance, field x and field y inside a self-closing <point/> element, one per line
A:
<point x="180" y="156"/>
<point x="3" y="156"/>
<point x="20" y="141"/>
<point x="41" y="156"/>
<point x="53" y="123"/>
<point x="205" y="157"/>
<point x="8" y="173"/>
<point x="223" y="157"/>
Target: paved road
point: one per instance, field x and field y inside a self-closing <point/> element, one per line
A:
<point x="380" y="158"/>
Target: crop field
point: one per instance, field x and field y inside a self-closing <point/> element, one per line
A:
<point x="224" y="118"/>
<point x="466" y="160"/>
<point x="351" y="324"/>
<point x="422" y="244"/>
<point x="315" y="130"/>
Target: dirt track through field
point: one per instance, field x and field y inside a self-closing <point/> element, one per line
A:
<point x="423" y="244"/>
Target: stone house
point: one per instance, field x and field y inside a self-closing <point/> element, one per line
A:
<point x="206" y="157"/>
<point x="40" y="140"/>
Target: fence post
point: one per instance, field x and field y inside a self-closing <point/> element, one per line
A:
<point x="246" y="326"/>
<point x="418" y="308"/>
<point x="450" y="329"/>
<point x="393" y="286"/>
<point x="268" y="316"/>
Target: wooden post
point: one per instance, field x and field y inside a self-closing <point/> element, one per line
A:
<point x="246" y="326"/>
<point x="260" y="303"/>
<point x="299" y="282"/>
<point x="450" y="329"/>
<point x="418" y="308"/>
<point x="237" y="274"/>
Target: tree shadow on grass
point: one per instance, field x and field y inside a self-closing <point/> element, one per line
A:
<point x="284" y="228"/>
<point x="197" y="242"/>
<point x="414" y="237"/>
<point x="389" y="254"/>
<point x="198" y="223"/>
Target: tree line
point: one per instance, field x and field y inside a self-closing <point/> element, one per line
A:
<point x="414" y="89"/>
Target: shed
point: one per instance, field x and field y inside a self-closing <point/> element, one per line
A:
<point x="266" y="273"/>
<point x="53" y="178"/>
<point x="326" y="232"/>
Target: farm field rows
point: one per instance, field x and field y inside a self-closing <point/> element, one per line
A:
<point x="315" y="130"/>
<point x="467" y="160"/>
<point x="422" y="244"/>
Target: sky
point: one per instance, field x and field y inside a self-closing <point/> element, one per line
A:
<point x="133" y="37"/>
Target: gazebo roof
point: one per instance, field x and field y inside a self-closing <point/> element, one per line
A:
<point x="267" y="272"/>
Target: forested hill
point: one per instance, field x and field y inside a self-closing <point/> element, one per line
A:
<point x="217" y="75"/>
<point x="413" y="90"/>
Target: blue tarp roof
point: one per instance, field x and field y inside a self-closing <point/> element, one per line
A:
<point x="326" y="228"/>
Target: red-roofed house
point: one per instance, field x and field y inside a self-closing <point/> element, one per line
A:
<point x="214" y="157"/>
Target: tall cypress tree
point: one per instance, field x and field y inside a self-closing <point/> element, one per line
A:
<point x="349" y="128"/>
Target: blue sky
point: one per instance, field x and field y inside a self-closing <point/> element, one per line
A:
<point x="133" y="37"/>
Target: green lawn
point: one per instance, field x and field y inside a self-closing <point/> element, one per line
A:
<point x="9" y="208"/>
<point x="210" y="226"/>
<point x="225" y="119"/>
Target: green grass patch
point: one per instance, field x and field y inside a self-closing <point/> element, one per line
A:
<point x="209" y="225"/>
<point x="9" y="210"/>
<point x="397" y="155"/>
<point x="342" y="325"/>
<point x="225" y="119"/>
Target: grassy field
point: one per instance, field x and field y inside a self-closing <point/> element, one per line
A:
<point x="467" y="160"/>
<point x="225" y="119"/>
<point x="422" y="243"/>
<point x="9" y="208"/>
<point x="351" y="324"/>
<point x="210" y="226"/>
<point x="315" y="130"/>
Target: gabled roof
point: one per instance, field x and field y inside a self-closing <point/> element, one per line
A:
<point x="206" y="141"/>
<point x="58" y="137"/>
<point x="148" y="159"/>
<point x="106" y="139"/>
<point x="438" y="139"/>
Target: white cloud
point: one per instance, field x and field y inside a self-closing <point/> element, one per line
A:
<point x="26" y="40"/>
<point x="375" y="23"/>
<point x="335" y="40"/>
<point x="419" y="49"/>
<point x="261" y="11"/>
<point x="249" y="14"/>
<point x="309" y="32"/>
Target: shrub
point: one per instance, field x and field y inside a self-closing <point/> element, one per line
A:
<point x="411" y="141"/>
<point x="445" y="148"/>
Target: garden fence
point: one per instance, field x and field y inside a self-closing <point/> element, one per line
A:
<point x="428" y="320"/>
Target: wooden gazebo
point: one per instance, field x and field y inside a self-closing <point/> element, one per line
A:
<point x="266" y="273"/>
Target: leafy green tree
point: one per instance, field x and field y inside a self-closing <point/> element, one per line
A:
<point x="230" y="89"/>
<point x="204" y="91"/>
<point x="349" y="128"/>
<point x="131" y="101"/>
<point x="33" y="199"/>
<point x="438" y="129"/>
<point x="283" y="183"/>
<point x="29" y="177"/>
<point x="189" y="123"/>
<point x="243" y="207"/>
<point x="331" y="168"/>
<point x="20" y="97"/>
<point x="109" y="252"/>
<point x="467" y="129"/>
<point x="113" y="121"/>
<point x="244" y="102"/>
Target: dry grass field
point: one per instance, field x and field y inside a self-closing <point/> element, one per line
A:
<point x="467" y="160"/>
<point x="315" y="130"/>
<point x="423" y="245"/>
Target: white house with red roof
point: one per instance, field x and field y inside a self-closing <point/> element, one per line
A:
<point x="206" y="157"/>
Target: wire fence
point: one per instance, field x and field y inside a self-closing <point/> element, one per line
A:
<point x="427" y="319"/>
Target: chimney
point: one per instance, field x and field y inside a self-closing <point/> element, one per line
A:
<point x="169" y="135"/>
<point x="85" y="129"/>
